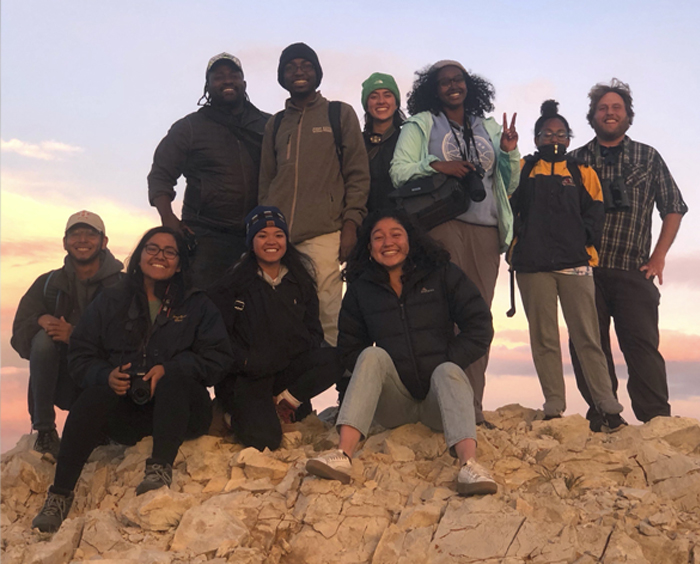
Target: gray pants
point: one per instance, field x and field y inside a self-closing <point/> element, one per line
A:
<point x="539" y="292"/>
<point x="376" y="392"/>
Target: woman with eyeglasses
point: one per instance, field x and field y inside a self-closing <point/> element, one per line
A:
<point x="448" y="133"/>
<point x="145" y="352"/>
<point x="559" y="214"/>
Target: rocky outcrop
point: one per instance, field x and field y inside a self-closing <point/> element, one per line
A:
<point x="566" y="495"/>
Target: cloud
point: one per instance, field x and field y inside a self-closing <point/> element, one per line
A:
<point x="45" y="150"/>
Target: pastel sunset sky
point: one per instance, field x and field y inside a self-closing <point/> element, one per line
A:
<point x="89" y="88"/>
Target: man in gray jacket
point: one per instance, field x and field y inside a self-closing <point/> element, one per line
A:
<point x="47" y="314"/>
<point x="316" y="171"/>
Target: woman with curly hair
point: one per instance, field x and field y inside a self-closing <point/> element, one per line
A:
<point x="145" y="352"/>
<point x="447" y="133"/>
<point x="383" y="118"/>
<point x="554" y="260"/>
<point x="396" y="334"/>
<point x="270" y="308"/>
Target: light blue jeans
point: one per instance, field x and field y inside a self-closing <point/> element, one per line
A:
<point x="376" y="392"/>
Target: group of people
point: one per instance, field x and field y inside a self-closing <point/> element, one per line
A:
<point x="243" y="292"/>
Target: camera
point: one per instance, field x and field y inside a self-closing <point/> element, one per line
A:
<point x="139" y="390"/>
<point x="615" y="195"/>
<point x="473" y="184"/>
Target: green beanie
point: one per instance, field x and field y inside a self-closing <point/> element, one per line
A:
<point x="377" y="81"/>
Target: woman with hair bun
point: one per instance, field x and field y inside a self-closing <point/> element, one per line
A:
<point x="559" y="214"/>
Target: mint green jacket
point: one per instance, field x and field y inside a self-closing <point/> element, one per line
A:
<point x="412" y="160"/>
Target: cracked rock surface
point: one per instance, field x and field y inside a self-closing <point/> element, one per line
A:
<point x="566" y="495"/>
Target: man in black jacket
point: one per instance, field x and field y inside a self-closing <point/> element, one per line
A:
<point x="47" y="314"/>
<point x="218" y="150"/>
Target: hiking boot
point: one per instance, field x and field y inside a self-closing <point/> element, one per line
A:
<point x="612" y="422"/>
<point x="286" y="412"/>
<point x="474" y="479"/>
<point x="595" y="422"/>
<point x="334" y="465"/>
<point x="54" y="511"/>
<point x="48" y="443"/>
<point x="156" y="476"/>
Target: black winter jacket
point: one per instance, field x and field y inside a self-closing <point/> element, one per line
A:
<point x="56" y="293"/>
<point x="416" y="329"/>
<point x="220" y="163"/>
<point x="189" y="339"/>
<point x="557" y="222"/>
<point x="268" y="327"/>
<point x="380" y="156"/>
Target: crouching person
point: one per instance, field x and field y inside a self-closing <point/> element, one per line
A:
<point x="144" y="352"/>
<point x="270" y="308"/>
<point x="396" y="327"/>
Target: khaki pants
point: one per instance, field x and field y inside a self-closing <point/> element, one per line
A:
<point x="324" y="250"/>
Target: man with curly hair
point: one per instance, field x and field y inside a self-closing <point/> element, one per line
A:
<point x="634" y="177"/>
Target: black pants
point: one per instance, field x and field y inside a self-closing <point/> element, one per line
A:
<point x="633" y="302"/>
<point x="250" y="401"/>
<point x="180" y="409"/>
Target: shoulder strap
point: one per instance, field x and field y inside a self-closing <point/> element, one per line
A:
<point x="275" y="128"/>
<point x="572" y="164"/>
<point x="530" y="161"/>
<point x="334" y="118"/>
<point x="51" y="294"/>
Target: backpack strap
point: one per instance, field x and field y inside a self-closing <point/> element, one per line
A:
<point x="333" y="118"/>
<point x="573" y="165"/>
<point x="51" y="294"/>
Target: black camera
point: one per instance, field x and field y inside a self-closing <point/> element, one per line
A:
<point x="139" y="390"/>
<point x="615" y="195"/>
<point x="473" y="184"/>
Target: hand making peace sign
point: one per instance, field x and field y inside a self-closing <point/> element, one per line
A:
<point x="509" y="137"/>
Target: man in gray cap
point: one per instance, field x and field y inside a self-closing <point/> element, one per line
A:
<point x="47" y="314"/>
<point x="217" y="149"/>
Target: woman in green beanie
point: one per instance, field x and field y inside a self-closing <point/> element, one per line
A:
<point x="383" y="118"/>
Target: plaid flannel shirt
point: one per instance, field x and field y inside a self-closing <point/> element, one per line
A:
<point x="626" y="242"/>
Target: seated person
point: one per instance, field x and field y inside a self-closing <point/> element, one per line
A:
<point x="559" y="217"/>
<point x="270" y="307"/>
<point x="47" y="314"/>
<point x="154" y="324"/>
<point x="396" y="329"/>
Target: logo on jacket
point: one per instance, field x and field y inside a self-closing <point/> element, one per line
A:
<point x="568" y="181"/>
<point x="179" y="318"/>
<point x="324" y="129"/>
<point x="425" y="290"/>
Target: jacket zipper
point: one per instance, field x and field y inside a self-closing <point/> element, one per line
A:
<point x="296" y="172"/>
<point x="404" y="321"/>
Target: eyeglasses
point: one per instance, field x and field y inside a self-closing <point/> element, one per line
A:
<point x="153" y="250"/>
<point x="306" y="66"/>
<point x="549" y="135"/>
<point x="446" y="82"/>
<point x="87" y="233"/>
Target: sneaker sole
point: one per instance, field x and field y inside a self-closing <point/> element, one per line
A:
<point x="479" y="488"/>
<point x="318" y="468"/>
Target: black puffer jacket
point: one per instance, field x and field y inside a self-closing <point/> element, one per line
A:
<point x="416" y="329"/>
<point x="219" y="154"/>
<point x="189" y="338"/>
<point x="268" y="327"/>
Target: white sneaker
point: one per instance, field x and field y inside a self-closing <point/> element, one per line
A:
<point x="334" y="465"/>
<point x="474" y="479"/>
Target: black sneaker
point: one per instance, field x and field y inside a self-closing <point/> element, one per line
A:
<point x="595" y="422"/>
<point x="48" y="443"/>
<point x="157" y="476"/>
<point x="612" y="422"/>
<point x="54" y="511"/>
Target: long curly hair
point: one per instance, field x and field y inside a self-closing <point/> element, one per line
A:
<point x="423" y="96"/>
<point x="424" y="253"/>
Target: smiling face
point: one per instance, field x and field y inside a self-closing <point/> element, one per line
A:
<point x="381" y="105"/>
<point x="269" y="246"/>
<point x="156" y="267"/>
<point x="389" y="244"/>
<point x="451" y="87"/>
<point x="225" y="84"/>
<point x="300" y="78"/>
<point x="610" y="120"/>
<point x="83" y="244"/>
